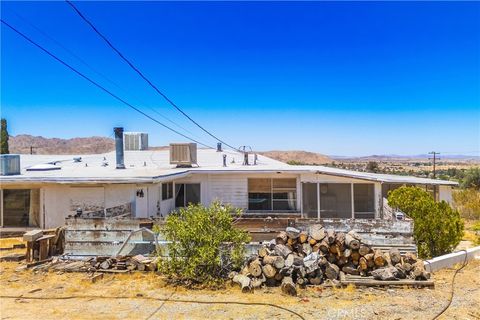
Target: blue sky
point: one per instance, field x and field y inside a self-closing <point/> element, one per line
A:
<point x="338" y="78"/>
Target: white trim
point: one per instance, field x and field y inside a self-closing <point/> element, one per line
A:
<point x="319" y="214"/>
<point x="352" y="200"/>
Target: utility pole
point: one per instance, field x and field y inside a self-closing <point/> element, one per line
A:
<point x="434" y="162"/>
<point x="434" y="171"/>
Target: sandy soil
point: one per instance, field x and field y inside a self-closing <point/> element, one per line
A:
<point x="312" y="303"/>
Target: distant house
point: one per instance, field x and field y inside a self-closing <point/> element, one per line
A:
<point x="154" y="183"/>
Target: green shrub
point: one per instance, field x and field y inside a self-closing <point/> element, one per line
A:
<point x="438" y="228"/>
<point x="205" y="245"/>
<point x="471" y="178"/>
<point x="467" y="202"/>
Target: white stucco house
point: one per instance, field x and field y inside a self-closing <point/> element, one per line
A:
<point x="49" y="188"/>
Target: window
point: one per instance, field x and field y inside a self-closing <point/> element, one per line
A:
<point x="167" y="190"/>
<point x="272" y="194"/>
<point x="20" y="207"/>
<point x="364" y="200"/>
<point x="335" y="200"/>
<point x="186" y="193"/>
<point x="260" y="194"/>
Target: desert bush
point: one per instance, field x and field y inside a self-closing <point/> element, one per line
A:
<point x="467" y="202"/>
<point x="438" y="228"/>
<point x="476" y="230"/>
<point x="471" y="178"/>
<point x="204" y="246"/>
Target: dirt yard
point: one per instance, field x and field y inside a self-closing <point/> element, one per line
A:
<point x="100" y="300"/>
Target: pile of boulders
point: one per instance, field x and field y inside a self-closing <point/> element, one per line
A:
<point x="318" y="255"/>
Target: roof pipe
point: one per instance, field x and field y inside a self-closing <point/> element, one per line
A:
<point x="119" y="147"/>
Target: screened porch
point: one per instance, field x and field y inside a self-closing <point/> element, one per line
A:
<point x="338" y="200"/>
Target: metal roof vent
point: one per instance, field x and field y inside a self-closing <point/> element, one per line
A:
<point x="9" y="164"/>
<point x="183" y="154"/>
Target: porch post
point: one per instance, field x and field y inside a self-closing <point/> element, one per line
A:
<point x="299" y="199"/>
<point x="353" y="204"/>
<point x="318" y="201"/>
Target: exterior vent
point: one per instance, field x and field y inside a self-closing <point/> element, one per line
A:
<point x="183" y="154"/>
<point x="9" y="164"/>
<point x="135" y="141"/>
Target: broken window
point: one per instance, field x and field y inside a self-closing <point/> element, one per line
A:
<point x="364" y="200"/>
<point x="21" y="207"/>
<point x="335" y="200"/>
<point x="167" y="190"/>
<point x="268" y="194"/>
<point x="187" y="193"/>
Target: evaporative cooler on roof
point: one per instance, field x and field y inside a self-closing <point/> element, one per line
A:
<point x="135" y="141"/>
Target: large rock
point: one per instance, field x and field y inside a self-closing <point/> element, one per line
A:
<point x="385" y="274"/>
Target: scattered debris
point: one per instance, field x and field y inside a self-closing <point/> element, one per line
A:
<point x="32" y="235"/>
<point x="35" y="290"/>
<point x="15" y="257"/>
<point x="95" y="277"/>
<point x="298" y="258"/>
<point x="96" y="265"/>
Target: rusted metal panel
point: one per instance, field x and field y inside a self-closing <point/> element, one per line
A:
<point x="106" y="248"/>
<point x="106" y="224"/>
<point x="382" y="233"/>
<point x="361" y="225"/>
<point x="98" y="235"/>
<point x="104" y="237"/>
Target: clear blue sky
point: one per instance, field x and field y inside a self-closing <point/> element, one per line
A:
<point x="333" y="77"/>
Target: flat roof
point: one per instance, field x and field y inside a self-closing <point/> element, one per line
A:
<point x="148" y="166"/>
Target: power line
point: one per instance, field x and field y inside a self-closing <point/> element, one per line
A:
<point x="46" y="35"/>
<point x="143" y="76"/>
<point x="100" y="86"/>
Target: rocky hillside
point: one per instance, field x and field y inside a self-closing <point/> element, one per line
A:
<point x="89" y="145"/>
<point x="298" y="157"/>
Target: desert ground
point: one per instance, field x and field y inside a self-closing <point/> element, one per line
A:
<point x="132" y="296"/>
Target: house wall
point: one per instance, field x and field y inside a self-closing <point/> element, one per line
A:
<point x="56" y="205"/>
<point x="445" y="194"/>
<point x="231" y="188"/>
<point x="60" y="201"/>
<point x="57" y="201"/>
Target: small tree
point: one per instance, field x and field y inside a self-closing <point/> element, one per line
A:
<point x="204" y="246"/>
<point x="438" y="228"/>
<point x="4" y="137"/>
<point x="372" y="166"/>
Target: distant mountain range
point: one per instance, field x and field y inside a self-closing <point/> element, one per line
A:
<point x="298" y="156"/>
<point x="392" y="157"/>
<point x="93" y="145"/>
